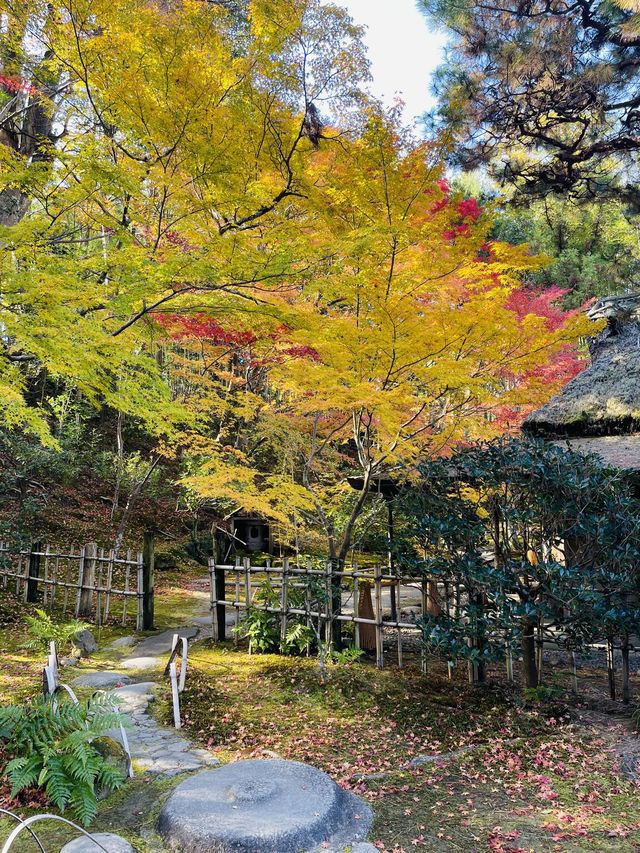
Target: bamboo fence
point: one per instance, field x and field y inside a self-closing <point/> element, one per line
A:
<point x="86" y="582"/>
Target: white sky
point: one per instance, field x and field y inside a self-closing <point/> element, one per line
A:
<point x="403" y="51"/>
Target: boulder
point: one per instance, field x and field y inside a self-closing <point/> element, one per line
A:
<point x="112" y="843"/>
<point x="261" y="806"/>
<point x="85" y="642"/>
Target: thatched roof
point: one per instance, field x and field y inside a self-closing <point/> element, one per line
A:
<point x="619" y="451"/>
<point x="602" y="400"/>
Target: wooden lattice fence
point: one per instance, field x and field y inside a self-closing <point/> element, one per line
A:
<point x="86" y="582"/>
<point x="308" y="594"/>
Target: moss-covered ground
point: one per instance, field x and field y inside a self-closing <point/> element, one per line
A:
<point x="511" y="776"/>
<point x="503" y="775"/>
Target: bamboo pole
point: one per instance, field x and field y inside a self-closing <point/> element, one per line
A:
<point x="126" y="590"/>
<point x="100" y="587"/>
<point x="80" y="577"/>
<point x="46" y="592"/>
<point x="237" y="603"/>
<point x="356" y="608"/>
<point x="213" y="599"/>
<point x="107" y="602"/>
<point x="284" y="601"/>
<point x="398" y="628"/>
<point x="328" y="609"/>
<point x="56" y="569"/>
<point x="140" y="592"/>
<point x="67" y="587"/>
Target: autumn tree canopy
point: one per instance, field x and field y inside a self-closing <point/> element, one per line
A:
<point x="408" y="340"/>
<point x="151" y="155"/>
<point x="207" y="227"/>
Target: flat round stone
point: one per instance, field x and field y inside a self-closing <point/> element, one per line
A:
<point x="102" y="680"/>
<point x="112" y="843"/>
<point x="260" y="806"/>
<point x="144" y="662"/>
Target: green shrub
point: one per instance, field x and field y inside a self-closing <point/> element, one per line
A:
<point x="297" y="638"/>
<point x="542" y="693"/>
<point x="53" y="748"/>
<point x="261" y="629"/>
<point x="44" y="630"/>
<point x="262" y="626"/>
<point x="349" y="655"/>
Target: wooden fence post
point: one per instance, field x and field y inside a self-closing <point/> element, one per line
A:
<point x="46" y="592"/>
<point x="356" y="608"/>
<point x="148" y="581"/>
<point x="398" y="628"/>
<point x="86" y="579"/>
<point x="611" y="667"/>
<point x="236" y="632"/>
<point x="328" y="610"/>
<point x="378" y="612"/>
<point x="425" y="609"/>
<point x="139" y="591"/>
<point x="31" y="592"/>
<point x="284" y="602"/>
<point x="626" y="691"/>
<point x="213" y="598"/>
<point x="221" y="595"/>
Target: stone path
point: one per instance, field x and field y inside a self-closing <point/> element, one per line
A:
<point x="161" y="750"/>
<point x="154" y="748"/>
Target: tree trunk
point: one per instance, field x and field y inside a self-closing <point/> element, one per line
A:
<point x="13" y="206"/>
<point x="611" y="667"/>
<point x="337" y="566"/>
<point x="120" y="464"/>
<point x="528" y="628"/>
<point x="626" y="692"/>
<point x="133" y="497"/>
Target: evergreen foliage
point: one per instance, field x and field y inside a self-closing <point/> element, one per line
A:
<point x="529" y="532"/>
<point x="545" y="93"/>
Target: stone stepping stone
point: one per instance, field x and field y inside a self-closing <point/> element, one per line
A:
<point x="123" y="643"/>
<point x="102" y="680"/>
<point x="143" y="662"/>
<point x="135" y="697"/>
<point x="261" y="806"/>
<point x="112" y="843"/>
<point x="160" y="644"/>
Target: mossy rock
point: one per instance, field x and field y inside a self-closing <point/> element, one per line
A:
<point x="115" y="755"/>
